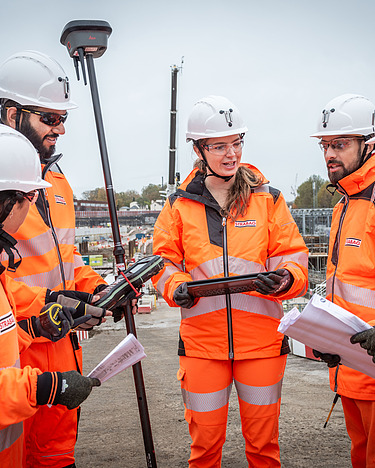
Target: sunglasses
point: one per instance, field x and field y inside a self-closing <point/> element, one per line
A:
<point x="48" y="118"/>
<point x="31" y="196"/>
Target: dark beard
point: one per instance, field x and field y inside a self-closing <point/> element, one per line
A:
<point x="27" y="130"/>
<point x="336" y="177"/>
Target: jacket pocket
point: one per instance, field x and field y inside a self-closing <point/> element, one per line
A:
<point x="182" y="377"/>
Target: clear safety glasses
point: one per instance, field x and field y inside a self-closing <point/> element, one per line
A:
<point x="338" y="144"/>
<point x="222" y="149"/>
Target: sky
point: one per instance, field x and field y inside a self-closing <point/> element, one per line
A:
<point x="279" y="62"/>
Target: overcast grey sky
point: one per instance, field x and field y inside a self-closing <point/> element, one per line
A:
<point x="279" y="61"/>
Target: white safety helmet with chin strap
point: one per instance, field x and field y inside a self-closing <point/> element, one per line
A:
<point x="20" y="168"/>
<point x="214" y="116"/>
<point x="348" y="114"/>
<point x="31" y="78"/>
<point x="20" y="171"/>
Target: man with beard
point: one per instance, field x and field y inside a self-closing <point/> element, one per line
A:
<point x="345" y="131"/>
<point x="35" y="98"/>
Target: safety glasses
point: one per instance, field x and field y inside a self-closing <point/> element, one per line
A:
<point x="338" y="144"/>
<point x="222" y="149"/>
<point x="49" y="118"/>
<point x="31" y="196"/>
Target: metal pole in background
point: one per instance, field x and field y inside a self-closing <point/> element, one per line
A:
<point x="173" y="125"/>
<point x="89" y="39"/>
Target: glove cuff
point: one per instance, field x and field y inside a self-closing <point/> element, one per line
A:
<point x="51" y="296"/>
<point x="29" y="326"/>
<point x="48" y="388"/>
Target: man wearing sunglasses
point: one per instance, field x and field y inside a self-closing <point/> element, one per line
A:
<point x="35" y="99"/>
<point x="345" y="132"/>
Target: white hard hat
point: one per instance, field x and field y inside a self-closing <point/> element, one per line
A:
<point x="214" y="116"/>
<point x="34" y="79"/>
<point x="19" y="163"/>
<point x="348" y="114"/>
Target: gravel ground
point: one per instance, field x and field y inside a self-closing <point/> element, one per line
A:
<point x="110" y="434"/>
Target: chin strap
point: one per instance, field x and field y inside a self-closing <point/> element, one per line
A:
<point x="7" y="243"/>
<point x="214" y="174"/>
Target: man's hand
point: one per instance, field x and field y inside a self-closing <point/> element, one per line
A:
<point x="332" y="360"/>
<point x="274" y="283"/>
<point x="366" y="339"/>
<point x="81" y="302"/>
<point x="182" y="298"/>
<point x="53" y="323"/>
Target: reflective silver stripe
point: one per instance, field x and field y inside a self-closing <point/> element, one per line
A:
<point x="301" y="258"/>
<point x="65" y="235"/>
<point x="256" y="305"/>
<point x="214" y="267"/>
<point x="78" y="262"/>
<point x="50" y="279"/>
<point x="262" y="188"/>
<point x="203" y="402"/>
<point x="329" y="283"/>
<point x="36" y="246"/>
<point x="169" y="270"/>
<point x="354" y="294"/>
<point x="9" y="435"/>
<point x="259" y="396"/>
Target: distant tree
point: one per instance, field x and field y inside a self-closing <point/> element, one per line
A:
<point x="151" y="192"/>
<point x="98" y="194"/>
<point x="325" y="198"/>
<point x="125" y="198"/>
<point x="304" y="197"/>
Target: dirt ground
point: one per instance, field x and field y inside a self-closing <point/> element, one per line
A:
<point x="110" y="433"/>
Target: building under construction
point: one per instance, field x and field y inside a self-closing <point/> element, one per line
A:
<point x="314" y="225"/>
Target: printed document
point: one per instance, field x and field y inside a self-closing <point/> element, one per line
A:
<point x="127" y="353"/>
<point x="327" y="327"/>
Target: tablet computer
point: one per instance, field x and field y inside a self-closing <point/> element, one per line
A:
<point x="220" y="286"/>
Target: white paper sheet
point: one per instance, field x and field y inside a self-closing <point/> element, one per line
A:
<point x="327" y="327"/>
<point x="127" y="353"/>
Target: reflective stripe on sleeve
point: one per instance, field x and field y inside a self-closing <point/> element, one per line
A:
<point x="169" y="270"/>
<point x="203" y="402"/>
<point x="301" y="258"/>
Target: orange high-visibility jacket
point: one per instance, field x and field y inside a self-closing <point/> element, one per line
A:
<point x="17" y="386"/>
<point x="195" y="242"/>
<point x="49" y="259"/>
<point x="351" y="266"/>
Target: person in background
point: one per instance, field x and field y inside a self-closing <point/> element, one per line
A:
<point x="22" y="391"/>
<point x="35" y="99"/>
<point x="345" y="132"/>
<point x="226" y="220"/>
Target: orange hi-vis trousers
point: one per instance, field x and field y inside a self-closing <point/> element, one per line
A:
<point x="360" y="424"/>
<point x="206" y="386"/>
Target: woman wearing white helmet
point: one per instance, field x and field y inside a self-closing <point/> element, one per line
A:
<point x="223" y="221"/>
<point x="22" y="391"/>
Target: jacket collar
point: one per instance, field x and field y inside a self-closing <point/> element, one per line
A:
<point x="360" y="179"/>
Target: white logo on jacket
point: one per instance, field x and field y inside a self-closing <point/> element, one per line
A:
<point x="353" y="242"/>
<point x="7" y="322"/>
<point x="247" y="223"/>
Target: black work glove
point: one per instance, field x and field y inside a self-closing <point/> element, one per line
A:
<point x="64" y="388"/>
<point x="182" y="298"/>
<point x="274" y="283"/>
<point x="332" y="360"/>
<point x="53" y="323"/>
<point x="366" y="339"/>
<point x="81" y="302"/>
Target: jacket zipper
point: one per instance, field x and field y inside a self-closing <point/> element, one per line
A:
<point x="49" y="220"/>
<point x="337" y="243"/>
<point x="227" y="295"/>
